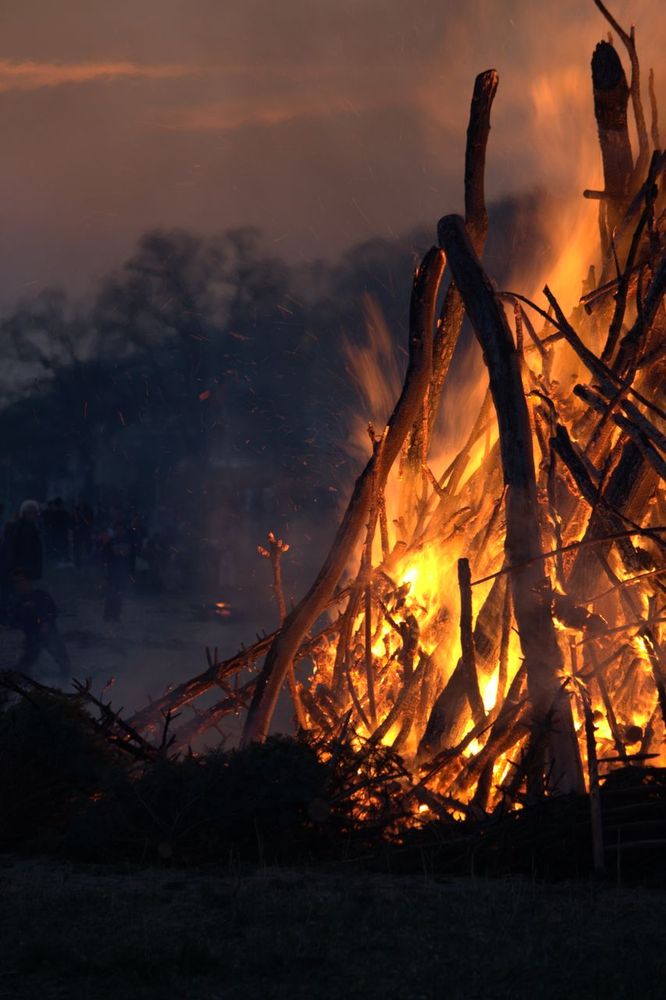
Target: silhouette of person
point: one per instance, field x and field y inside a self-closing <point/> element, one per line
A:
<point x="23" y="543"/>
<point x="35" y="613"/>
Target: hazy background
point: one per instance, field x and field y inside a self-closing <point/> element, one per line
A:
<point x="320" y="121"/>
<point x="201" y="203"/>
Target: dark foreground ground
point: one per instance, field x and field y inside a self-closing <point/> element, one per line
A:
<point x="79" y="932"/>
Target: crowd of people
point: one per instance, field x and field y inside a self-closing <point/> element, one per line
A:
<point x="54" y="536"/>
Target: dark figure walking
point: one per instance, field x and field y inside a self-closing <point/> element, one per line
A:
<point x="35" y="613"/>
<point x="119" y="557"/>
<point x="23" y="543"/>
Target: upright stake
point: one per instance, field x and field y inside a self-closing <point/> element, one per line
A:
<point x="596" y="819"/>
<point x="611" y="96"/>
<point x="274" y="552"/>
<point x="467" y="641"/>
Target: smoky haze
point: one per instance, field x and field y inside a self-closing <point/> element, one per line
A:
<point x="322" y="123"/>
<point x="200" y="204"/>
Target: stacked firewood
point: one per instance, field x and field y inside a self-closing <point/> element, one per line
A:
<point x="533" y="661"/>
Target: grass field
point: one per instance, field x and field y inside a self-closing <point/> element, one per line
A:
<point x="76" y="932"/>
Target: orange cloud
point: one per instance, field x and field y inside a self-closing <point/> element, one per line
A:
<point x="29" y="75"/>
<point x="266" y="111"/>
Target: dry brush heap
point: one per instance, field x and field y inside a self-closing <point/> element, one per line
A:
<point x="499" y="624"/>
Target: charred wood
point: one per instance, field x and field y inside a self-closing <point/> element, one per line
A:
<point x="611" y="96"/>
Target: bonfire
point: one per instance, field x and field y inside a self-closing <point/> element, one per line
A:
<point x="498" y="622"/>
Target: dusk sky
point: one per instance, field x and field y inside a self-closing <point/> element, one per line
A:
<point x="320" y="121"/>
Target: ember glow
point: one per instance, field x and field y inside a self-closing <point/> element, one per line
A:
<point x="394" y="664"/>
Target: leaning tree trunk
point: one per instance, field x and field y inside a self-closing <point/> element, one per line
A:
<point x="452" y="312"/>
<point x="549" y="701"/>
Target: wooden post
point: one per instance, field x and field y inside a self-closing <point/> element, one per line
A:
<point x="468" y="656"/>
<point x="611" y="97"/>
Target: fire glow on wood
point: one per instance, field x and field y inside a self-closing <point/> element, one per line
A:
<point x="498" y="622"/>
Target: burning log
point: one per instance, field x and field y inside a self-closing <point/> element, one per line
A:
<point x="448" y="717"/>
<point x="523" y="539"/>
<point x="467" y="641"/>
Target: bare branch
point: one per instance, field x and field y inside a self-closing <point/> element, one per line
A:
<point x="629" y="41"/>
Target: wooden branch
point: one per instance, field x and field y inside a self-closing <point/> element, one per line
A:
<point x="276" y="549"/>
<point x="629" y="221"/>
<point x="355" y="698"/>
<point x="633" y="341"/>
<point x="648" y="451"/>
<point x="300" y="619"/>
<point x="602" y="292"/>
<point x="503" y="733"/>
<point x="629" y="488"/>
<point x="452" y="476"/>
<point x="611" y="96"/>
<point x="629" y="41"/>
<point x="213" y="715"/>
<point x="572" y="546"/>
<point x="196" y="686"/>
<point x="590" y="397"/>
<point x="368" y="658"/>
<point x="643" y="424"/>
<point x="592" y="195"/>
<point x="409" y="689"/>
<point x="341" y="665"/>
<point x="564" y="449"/>
<point x="609" y="380"/>
<point x="501" y="720"/>
<point x="452" y="312"/>
<point x="468" y="655"/>
<point x="656" y="658"/>
<point x="503" y="666"/>
<point x="608" y="705"/>
<point x="615" y="520"/>
<point x="654" y="125"/>
<point x="523" y="538"/>
<point x="593" y="772"/>
<point x="478" y="130"/>
<point x="625" y="279"/>
<point x="449" y="712"/>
